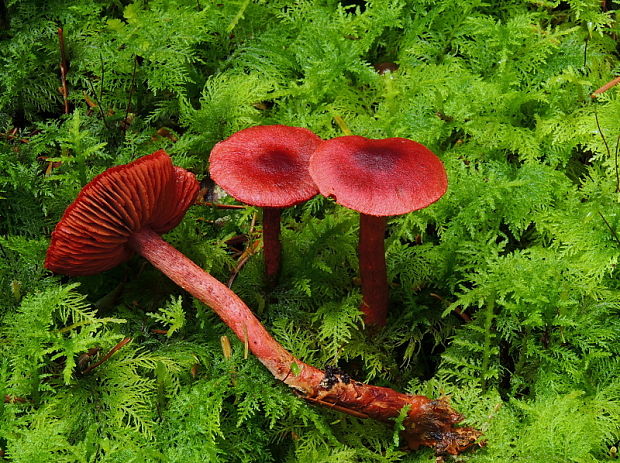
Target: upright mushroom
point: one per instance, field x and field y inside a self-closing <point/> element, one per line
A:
<point x="267" y="166"/>
<point x="123" y="211"/>
<point x="377" y="178"/>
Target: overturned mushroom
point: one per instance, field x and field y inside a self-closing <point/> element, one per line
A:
<point x="125" y="209"/>
<point x="377" y="178"/>
<point x="267" y="166"/>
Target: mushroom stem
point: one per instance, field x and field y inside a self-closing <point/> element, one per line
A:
<point x="428" y="422"/>
<point x="216" y="295"/>
<point x="272" y="248"/>
<point x="373" y="272"/>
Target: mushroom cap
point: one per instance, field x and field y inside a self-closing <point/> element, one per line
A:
<point x="385" y="177"/>
<point x="92" y="235"/>
<point x="266" y="165"/>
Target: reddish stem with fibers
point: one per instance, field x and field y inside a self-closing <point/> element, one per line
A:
<point x="373" y="271"/>
<point x="428" y="422"/>
<point x="272" y="248"/>
<point x="107" y="356"/>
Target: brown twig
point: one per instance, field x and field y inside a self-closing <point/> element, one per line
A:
<point x="464" y="316"/>
<point x="245" y="256"/>
<point x="158" y="331"/>
<point x="12" y="136"/>
<point x="51" y="165"/>
<point x="163" y="132"/>
<point x="605" y="87"/>
<point x="235" y="242"/>
<point x="613" y="232"/>
<point x="224" y="206"/>
<point x="600" y="131"/>
<point x="98" y="105"/>
<point x="458" y="311"/>
<point x="64" y="69"/>
<point x="250" y="250"/>
<point x="86" y="357"/>
<point x="9" y="399"/>
<point x="336" y="407"/>
<point x="125" y="122"/>
<point x="101" y="79"/>
<point x="105" y="358"/>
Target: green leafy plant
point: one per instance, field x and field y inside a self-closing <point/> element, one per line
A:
<point x="504" y="294"/>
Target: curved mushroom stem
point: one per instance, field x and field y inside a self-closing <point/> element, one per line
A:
<point x="272" y="248"/>
<point x="428" y="423"/>
<point x="373" y="272"/>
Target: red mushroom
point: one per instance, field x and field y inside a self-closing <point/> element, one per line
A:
<point x="267" y="166"/>
<point x="125" y="203"/>
<point x="377" y="178"/>
<point x="124" y="210"/>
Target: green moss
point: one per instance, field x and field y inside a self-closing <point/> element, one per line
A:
<point x="504" y="294"/>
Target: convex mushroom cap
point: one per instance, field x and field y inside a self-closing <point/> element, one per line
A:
<point x="385" y="177"/>
<point x="266" y="166"/>
<point x="93" y="233"/>
<point x="377" y="178"/>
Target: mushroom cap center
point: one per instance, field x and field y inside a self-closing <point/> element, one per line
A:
<point x="376" y="158"/>
<point x="278" y="161"/>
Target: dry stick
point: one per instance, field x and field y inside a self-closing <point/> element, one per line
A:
<point x="605" y="87"/>
<point x="608" y="150"/>
<point x="428" y="422"/>
<point x="11" y="136"/>
<point x="99" y="99"/>
<point x="458" y="311"/>
<point x="102" y="77"/>
<point x="224" y="206"/>
<point x="105" y="358"/>
<point x="243" y="259"/>
<point x="613" y="232"/>
<point x="64" y="69"/>
<point x="98" y="102"/>
<point x="251" y="249"/>
<point x="131" y="89"/>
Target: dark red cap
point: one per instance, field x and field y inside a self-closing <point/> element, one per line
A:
<point x="91" y="236"/>
<point x="378" y="177"/>
<point x="266" y="165"/>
